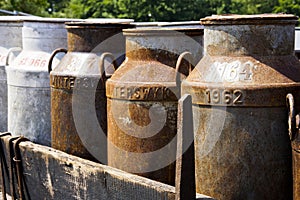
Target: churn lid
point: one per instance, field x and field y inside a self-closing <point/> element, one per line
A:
<point x="234" y="19"/>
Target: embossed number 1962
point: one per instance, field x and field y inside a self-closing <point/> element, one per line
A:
<point x="228" y="97"/>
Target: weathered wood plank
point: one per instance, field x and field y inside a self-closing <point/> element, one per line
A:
<point x="185" y="163"/>
<point x="52" y="174"/>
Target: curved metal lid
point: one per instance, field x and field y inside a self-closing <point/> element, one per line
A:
<point x="153" y="31"/>
<point x="146" y="24"/>
<point x="18" y="18"/>
<point x="100" y="22"/>
<point x="182" y="25"/>
<point x="49" y="20"/>
<point x="232" y="19"/>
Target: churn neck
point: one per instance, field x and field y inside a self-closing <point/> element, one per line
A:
<point x="87" y="35"/>
<point x="249" y="35"/>
<point x="44" y="34"/>
<point x="154" y="43"/>
<point x="11" y="32"/>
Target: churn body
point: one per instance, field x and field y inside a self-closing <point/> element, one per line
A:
<point x="28" y="79"/>
<point x="238" y="88"/>
<point x="78" y="102"/>
<point x="11" y="36"/>
<point x="142" y="102"/>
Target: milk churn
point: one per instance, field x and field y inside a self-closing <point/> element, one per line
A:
<point x="238" y="90"/>
<point x="28" y="79"/>
<point x="142" y="102"/>
<point x="297" y="42"/>
<point x="11" y="36"/>
<point x="78" y="100"/>
<point x="294" y="133"/>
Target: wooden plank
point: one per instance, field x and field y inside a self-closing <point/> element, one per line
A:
<point x="52" y="174"/>
<point x="185" y="163"/>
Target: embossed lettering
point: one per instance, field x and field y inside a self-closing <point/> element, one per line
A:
<point x="129" y="92"/>
<point x="146" y="92"/>
<point x="207" y="96"/>
<point x="141" y="93"/>
<point x="226" y="97"/>
<point x="62" y="82"/>
<point x="233" y="71"/>
<point x="137" y="93"/>
<point x="238" y="97"/>
<point x="122" y="92"/>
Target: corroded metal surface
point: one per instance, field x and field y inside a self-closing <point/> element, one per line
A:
<point x="238" y="91"/>
<point x="28" y="79"/>
<point x="294" y="133"/>
<point x="142" y="103"/>
<point x="296" y="165"/>
<point x="78" y="88"/>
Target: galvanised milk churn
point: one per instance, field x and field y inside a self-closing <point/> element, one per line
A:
<point x="78" y="102"/>
<point x="142" y="102"/>
<point x="11" y="36"/>
<point x="238" y="90"/>
<point x="28" y="79"/>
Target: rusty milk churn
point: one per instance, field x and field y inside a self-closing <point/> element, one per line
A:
<point x="238" y="89"/>
<point x="11" y="36"/>
<point x="294" y="133"/>
<point x="78" y="99"/>
<point x="28" y="79"/>
<point x="142" y="102"/>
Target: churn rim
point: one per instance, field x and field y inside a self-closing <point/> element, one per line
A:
<point x="231" y="19"/>
<point x="102" y="22"/>
<point x="50" y="20"/>
<point x="18" y="18"/>
<point x="160" y="31"/>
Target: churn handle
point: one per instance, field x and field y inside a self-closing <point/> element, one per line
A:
<point x="179" y="61"/>
<point x="56" y="51"/>
<point x="102" y="57"/>
<point x="291" y="115"/>
<point x="13" y="49"/>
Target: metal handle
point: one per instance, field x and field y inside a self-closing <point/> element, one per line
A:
<point x="101" y="63"/>
<point x="56" y="51"/>
<point x="14" y="49"/>
<point x="179" y="62"/>
<point x="292" y="116"/>
<point x="18" y="161"/>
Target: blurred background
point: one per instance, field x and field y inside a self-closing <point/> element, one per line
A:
<point x="146" y="10"/>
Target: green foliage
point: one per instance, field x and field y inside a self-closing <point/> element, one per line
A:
<point x="288" y="6"/>
<point x="243" y="6"/>
<point x="149" y="10"/>
<point x="34" y="7"/>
